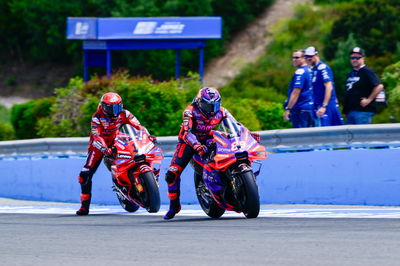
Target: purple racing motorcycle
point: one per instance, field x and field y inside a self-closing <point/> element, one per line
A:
<point x="224" y="177"/>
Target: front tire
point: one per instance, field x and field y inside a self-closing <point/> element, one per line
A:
<point x="207" y="203"/>
<point x="248" y="196"/>
<point x="126" y="204"/>
<point x="151" y="194"/>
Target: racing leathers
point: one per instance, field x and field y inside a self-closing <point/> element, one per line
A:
<point x="103" y="132"/>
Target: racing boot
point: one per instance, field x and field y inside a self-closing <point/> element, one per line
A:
<point x="85" y="203"/>
<point x="173" y="180"/>
<point x="174" y="208"/>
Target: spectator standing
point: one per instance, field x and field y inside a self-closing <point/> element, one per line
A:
<point x="299" y="104"/>
<point x="362" y="87"/>
<point x="324" y="93"/>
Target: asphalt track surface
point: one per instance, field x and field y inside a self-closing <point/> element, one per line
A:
<point x="281" y="235"/>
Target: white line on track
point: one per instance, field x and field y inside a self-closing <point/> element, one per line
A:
<point x="271" y="211"/>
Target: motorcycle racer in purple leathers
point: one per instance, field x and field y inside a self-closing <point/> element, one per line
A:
<point x="199" y="119"/>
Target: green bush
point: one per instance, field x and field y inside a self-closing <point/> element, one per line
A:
<point x="391" y="81"/>
<point x="4" y="114"/>
<point x="257" y="114"/>
<point x="270" y="115"/>
<point x="157" y="105"/>
<point x="242" y="111"/>
<point x="24" y="117"/>
<point x="6" y="131"/>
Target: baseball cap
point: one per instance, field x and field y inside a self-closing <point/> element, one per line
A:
<point x="311" y="51"/>
<point x="357" y="50"/>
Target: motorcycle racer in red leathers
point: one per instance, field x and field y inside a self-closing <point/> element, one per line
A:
<point x="106" y="121"/>
<point x="199" y="119"/>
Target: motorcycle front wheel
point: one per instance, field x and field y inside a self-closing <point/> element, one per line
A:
<point x="150" y="197"/>
<point x="247" y="194"/>
<point x="125" y="203"/>
<point x="207" y="203"/>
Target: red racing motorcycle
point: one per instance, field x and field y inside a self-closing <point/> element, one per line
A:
<point x="133" y="171"/>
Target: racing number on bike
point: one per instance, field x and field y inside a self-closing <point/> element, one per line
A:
<point x="235" y="145"/>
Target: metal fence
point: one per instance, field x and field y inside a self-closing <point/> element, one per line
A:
<point x="281" y="140"/>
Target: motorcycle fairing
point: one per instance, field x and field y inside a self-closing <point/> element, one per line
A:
<point x="128" y="148"/>
<point x="226" y="150"/>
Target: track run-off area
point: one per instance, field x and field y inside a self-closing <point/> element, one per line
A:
<point x="49" y="233"/>
<point x="267" y="211"/>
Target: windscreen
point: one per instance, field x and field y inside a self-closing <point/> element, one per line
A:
<point x="229" y="126"/>
<point x="138" y="136"/>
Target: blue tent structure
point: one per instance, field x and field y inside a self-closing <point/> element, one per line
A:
<point x="102" y="35"/>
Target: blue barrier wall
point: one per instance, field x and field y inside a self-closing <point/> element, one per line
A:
<point x="361" y="176"/>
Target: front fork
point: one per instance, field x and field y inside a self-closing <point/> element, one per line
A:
<point x="235" y="182"/>
<point x="141" y="169"/>
<point x="239" y="169"/>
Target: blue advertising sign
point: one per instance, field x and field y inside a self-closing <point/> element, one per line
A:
<point x="102" y="35"/>
<point x="144" y="28"/>
<point x="82" y="28"/>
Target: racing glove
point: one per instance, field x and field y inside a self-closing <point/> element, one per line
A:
<point x="256" y="136"/>
<point x="153" y="139"/>
<point x="106" y="151"/>
<point x="200" y="149"/>
<point x="225" y="135"/>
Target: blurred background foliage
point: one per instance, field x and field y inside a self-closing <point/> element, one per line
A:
<point x="254" y="97"/>
<point x="41" y="26"/>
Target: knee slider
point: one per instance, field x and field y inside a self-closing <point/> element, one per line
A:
<point x="173" y="174"/>
<point x="170" y="177"/>
<point x="85" y="175"/>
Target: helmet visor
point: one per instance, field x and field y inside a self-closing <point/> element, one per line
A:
<point x="112" y="109"/>
<point x="209" y="107"/>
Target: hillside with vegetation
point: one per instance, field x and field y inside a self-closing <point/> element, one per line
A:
<point x="334" y="27"/>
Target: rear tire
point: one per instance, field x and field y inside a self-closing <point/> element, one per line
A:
<point x="248" y="195"/>
<point x="151" y="195"/>
<point x="207" y="203"/>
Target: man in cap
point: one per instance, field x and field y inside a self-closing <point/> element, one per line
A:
<point x="362" y="87"/>
<point x="299" y="104"/>
<point x="324" y="93"/>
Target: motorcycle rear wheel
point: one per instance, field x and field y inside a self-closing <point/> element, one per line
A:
<point x="248" y="195"/>
<point x="150" y="197"/>
<point x="207" y="203"/>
